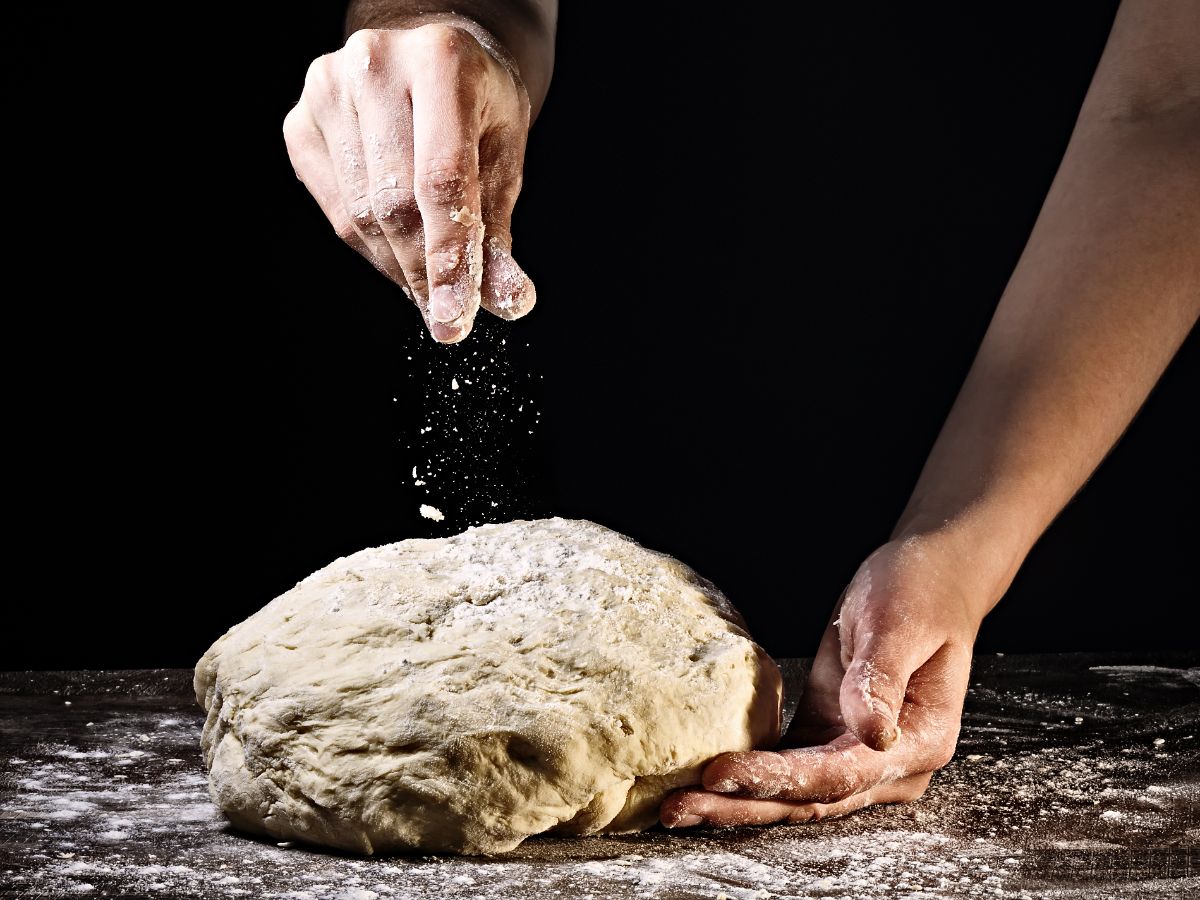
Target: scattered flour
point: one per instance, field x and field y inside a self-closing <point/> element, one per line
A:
<point x="1022" y="805"/>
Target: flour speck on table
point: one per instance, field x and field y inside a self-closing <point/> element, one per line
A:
<point x="1019" y="813"/>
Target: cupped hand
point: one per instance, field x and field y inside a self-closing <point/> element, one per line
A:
<point x="881" y="709"/>
<point x="412" y="142"/>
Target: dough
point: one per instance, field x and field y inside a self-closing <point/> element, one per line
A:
<point x="464" y="693"/>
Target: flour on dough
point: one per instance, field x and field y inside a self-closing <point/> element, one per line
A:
<point x="461" y="694"/>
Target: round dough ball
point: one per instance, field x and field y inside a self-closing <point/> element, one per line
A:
<point x="461" y="694"/>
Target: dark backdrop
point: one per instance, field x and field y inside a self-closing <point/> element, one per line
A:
<point x="766" y="250"/>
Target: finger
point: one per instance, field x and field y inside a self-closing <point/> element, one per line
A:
<point x="929" y="723"/>
<point x="695" y="807"/>
<point x="385" y="123"/>
<point x="506" y="290"/>
<point x="880" y="681"/>
<point x="881" y="645"/>
<point x="310" y="158"/>
<point x="873" y="688"/>
<point x="839" y="769"/>
<point x="446" y="115"/>
<point x="336" y="116"/>
<point x="822" y="774"/>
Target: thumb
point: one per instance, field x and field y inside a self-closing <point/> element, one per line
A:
<point x="875" y="683"/>
<point x="506" y="291"/>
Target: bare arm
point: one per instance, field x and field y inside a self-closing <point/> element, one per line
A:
<point x="1104" y="294"/>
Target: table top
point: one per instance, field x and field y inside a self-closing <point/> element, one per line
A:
<point x="1077" y="776"/>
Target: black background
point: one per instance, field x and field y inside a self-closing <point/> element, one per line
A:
<point x="766" y="250"/>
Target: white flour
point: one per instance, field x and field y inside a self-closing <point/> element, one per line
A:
<point x="472" y="428"/>
<point x="1011" y="808"/>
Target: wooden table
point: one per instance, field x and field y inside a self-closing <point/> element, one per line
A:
<point x="1077" y="776"/>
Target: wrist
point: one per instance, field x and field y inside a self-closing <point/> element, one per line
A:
<point x="985" y="541"/>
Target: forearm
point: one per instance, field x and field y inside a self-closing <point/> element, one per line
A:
<point x="1104" y="294"/>
<point x="521" y="32"/>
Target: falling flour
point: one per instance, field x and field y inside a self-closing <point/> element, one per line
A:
<point x="468" y="428"/>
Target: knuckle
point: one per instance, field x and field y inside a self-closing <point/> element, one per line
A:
<point x="442" y="180"/>
<point x="433" y="32"/>
<point x="365" y="40"/>
<point x="395" y="207"/>
<point x="498" y="245"/>
<point x="444" y="261"/>
<point x="447" y="45"/>
<point x="295" y="126"/>
<point x="344" y="229"/>
<point x="419" y="283"/>
<point x="501" y="191"/>
<point x="363" y="217"/>
<point x="291" y="122"/>
<point x="317" y="78"/>
<point x="364" y="51"/>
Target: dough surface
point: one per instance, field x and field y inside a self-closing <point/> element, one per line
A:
<point x="461" y="694"/>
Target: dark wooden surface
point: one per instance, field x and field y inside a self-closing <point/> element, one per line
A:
<point x="1077" y="776"/>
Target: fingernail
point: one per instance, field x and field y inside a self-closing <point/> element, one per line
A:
<point x="725" y="786"/>
<point x="448" y="334"/>
<point x="687" y="820"/>
<point x="444" y="305"/>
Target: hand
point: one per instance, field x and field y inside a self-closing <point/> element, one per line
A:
<point x="881" y="709"/>
<point x="412" y="141"/>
